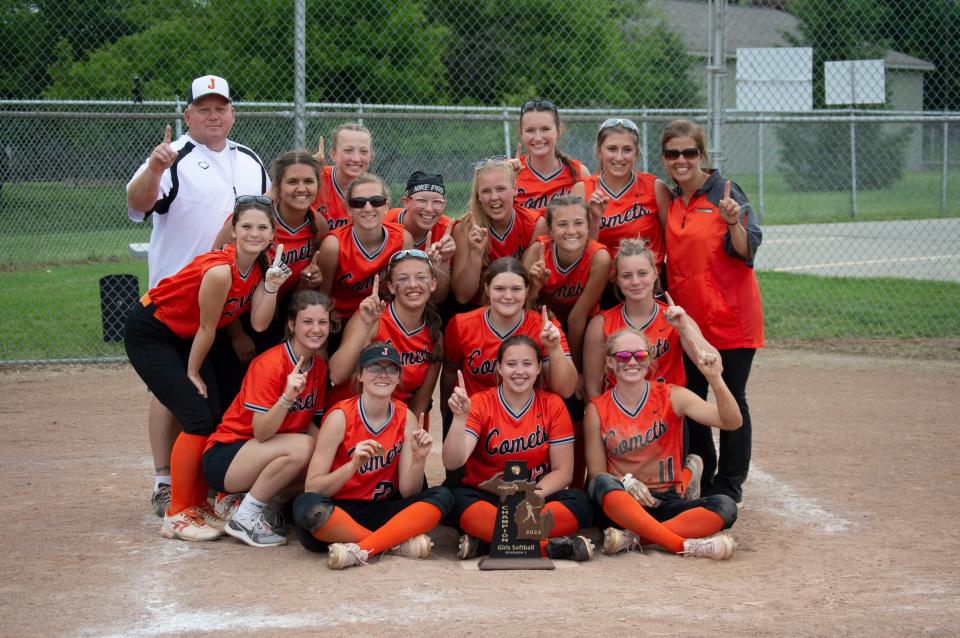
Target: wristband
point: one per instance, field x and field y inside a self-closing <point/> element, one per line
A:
<point x="268" y="291"/>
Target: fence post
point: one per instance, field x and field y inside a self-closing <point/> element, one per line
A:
<point x="943" y="176"/>
<point x="644" y="141"/>
<point x="506" y="132"/>
<point x="360" y="112"/>
<point x="760" y="167"/>
<point x="715" y="72"/>
<point x="299" y="75"/>
<point x="853" y="166"/>
<point x="178" y="125"/>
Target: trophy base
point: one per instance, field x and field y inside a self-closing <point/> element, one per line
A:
<point x="495" y="564"/>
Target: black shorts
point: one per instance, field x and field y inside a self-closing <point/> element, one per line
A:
<point x="216" y="462"/>
<point x="574" y="500"/>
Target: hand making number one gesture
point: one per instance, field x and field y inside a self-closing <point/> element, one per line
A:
<point x="550" y="333"/>
<point x="459" y="401"/>
<point x="163" y="154"/>
<point x="729" y="208"/>
<point x="319" y="155"/>
<point x="371" y="307"/>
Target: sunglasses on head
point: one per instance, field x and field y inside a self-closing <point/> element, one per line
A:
<point x="619" y="121"/>
<point x="249" y="199"/>
<point x="490" y="161"/>
<point x="538" y="105"/>
<point x="624" y="356"/>
<point x="409" y="253"/>
<point x="359" y="202"/>
<point x="688" y="153"/>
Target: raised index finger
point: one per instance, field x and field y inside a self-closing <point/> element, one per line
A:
<point x="726" y="190"/>
<point x="668" y="298"/>
<point x="375" y="291"/>
<point x="519" y="150"/>
<point x="460" y="381"/>
<point x="320" y="147"/>
<point x="296" y="368"/>
<point x="546" y="317"/>
<point x="279" y="256"/>
<point x="166" y="135"/>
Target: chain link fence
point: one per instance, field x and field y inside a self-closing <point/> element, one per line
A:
<point x="860" y="201"/>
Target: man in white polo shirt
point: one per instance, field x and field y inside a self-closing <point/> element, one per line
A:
<point x="189" y="187"/>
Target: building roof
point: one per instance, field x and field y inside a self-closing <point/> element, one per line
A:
<point x="748" y="27"/>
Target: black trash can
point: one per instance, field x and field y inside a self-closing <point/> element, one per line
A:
<point x="117" y="294"/>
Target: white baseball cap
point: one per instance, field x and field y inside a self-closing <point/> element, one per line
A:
<point x="208" y="85"/>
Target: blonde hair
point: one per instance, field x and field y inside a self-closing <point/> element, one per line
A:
<point x="632" y="247"/>
<point x="350" y="126"/>
<point x="476" y="212"/>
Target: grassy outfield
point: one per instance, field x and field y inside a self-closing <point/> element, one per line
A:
<point x="54" y="312"/>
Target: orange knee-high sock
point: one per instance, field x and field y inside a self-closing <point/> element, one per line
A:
<point x="184" y="470"/>
<point x="479" y="519"/>
<point x="695" y="523"/>
<point x="340" y="528"/>
<point x="625" y="511"/>
<point x="579" y="457"/>
<point x="564" y="522"/>
<point x="414" y="519"/>
<point x="201" y="490"/>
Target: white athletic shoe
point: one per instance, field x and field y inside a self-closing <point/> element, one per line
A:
<point x="258" y="534"/>
<point x="342" y="555"/>
<point x="211" y="516"/>
<point x="695" y="464"/>
<point x="188" y="525"/>
<point x="620" y="540"/>
<point x="719" y="547"/>
<point x="417" y="547"/>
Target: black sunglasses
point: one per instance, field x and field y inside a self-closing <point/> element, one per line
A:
<point x="688" y="153"/>
<point x="538" y="105"/>
<point x="359" y="202"/>
<point x="249" y="199"/>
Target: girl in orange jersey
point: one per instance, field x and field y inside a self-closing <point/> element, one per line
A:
<point x="634" y="443"/>
<point x="363" y="484"/>
<point x="666" y="326"/>
<point x="408" y="321"/>
<point x="545" y="171"/>
<point x="295" y="176"/>
<point x="712" y="238"/>
<point x="351" y="256"/>
<point x="515" y="422"/>
<point x="472" y="339"/>
<point x="624" y="203"/>
<point x="568" y="270"/>
<point x="352" y="153"/>
<point x="494" y="227"/>
<point x="262" y="444"/>
<point x="169" y="334"/>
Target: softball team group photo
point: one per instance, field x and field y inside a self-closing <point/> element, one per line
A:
<point x="302" y="324"/>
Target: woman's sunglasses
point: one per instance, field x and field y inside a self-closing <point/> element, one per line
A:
<point x="408" y="253"/>
<point x="624" y="356"/>
<point x="359" y="202"/>
<point x="688" y="153"/>
<point x="538" y="105"/>
<point x="249" y="199"/>
<point x="619" y="121"/>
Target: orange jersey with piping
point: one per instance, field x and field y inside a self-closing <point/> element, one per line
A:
<point x="378" y="478"/>
<point x="396" y="215"/>
<point x="631" y="213"/>
<point x="646" y="441"/>
<point x="299" y="245"/>
<point x="505" y="435"/>
<point x="535" y="191"/>
<point x="716" y="287"/>
<point x="565" y="285"/>
<point x="331" y="202"/>
<point x="264" y="383"/>
<point x="471" y="344"/>
<point x="664" y="339"/>
<point x="177" y="297"/>
<point x="356" y="266"/>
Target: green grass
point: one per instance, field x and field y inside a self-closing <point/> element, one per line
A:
<point x="916" y="196"/>
<point x="811" y="307"/>
<point x="54" y="312"/>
